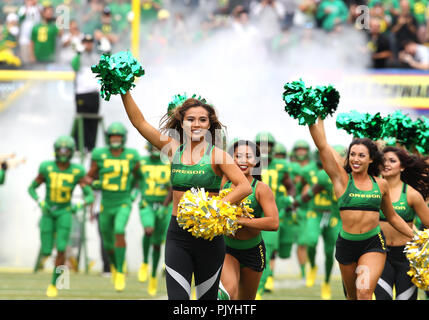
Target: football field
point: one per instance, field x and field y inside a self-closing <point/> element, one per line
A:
<point x="26" y="285"/>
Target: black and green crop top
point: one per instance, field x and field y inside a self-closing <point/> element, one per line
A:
<point x="199" y="175"/>
<point x="402" y="208"/>
<point x="356" y="199"/>
<point x="254" y="204"/>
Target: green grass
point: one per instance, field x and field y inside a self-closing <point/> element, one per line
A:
<point x="25" y="285"/>
<point x="29" y="286"/>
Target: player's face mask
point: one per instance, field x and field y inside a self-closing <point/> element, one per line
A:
<point x="301" y="154"/>
<point x="63" y="154"/>
<point x="116" y="142"/>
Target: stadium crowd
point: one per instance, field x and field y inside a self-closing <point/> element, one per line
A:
<point x="34" y="33"/>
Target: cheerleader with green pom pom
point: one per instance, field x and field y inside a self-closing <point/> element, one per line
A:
<point x="408" y="183"/>
<point x="361" y="245"/>
<point x="189" y="137"/>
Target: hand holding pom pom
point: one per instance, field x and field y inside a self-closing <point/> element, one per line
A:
<point x="417" y="252"/>
<point x="307" y="104"/>
<point x="207" y="217"/>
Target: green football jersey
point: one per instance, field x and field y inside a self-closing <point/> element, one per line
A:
<point x="60" y="183"/>
<point x="115" y="174"/>
<point x="273" y="176"/>
<point x="306" y="172"/>
<point x="44" y="37"/>
<point x="324" y="200"/>
<point x="154" y="179"/>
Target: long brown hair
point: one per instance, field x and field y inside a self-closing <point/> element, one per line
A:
<point x="171" y="123"/>
<point x="374" y="154"/>
<point x="416" y="170"/>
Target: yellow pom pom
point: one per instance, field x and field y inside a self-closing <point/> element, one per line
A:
<point x="207" y="217"/>
<point x="417" y="252"/>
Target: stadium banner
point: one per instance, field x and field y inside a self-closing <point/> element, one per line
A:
<point x="393" y="88"/>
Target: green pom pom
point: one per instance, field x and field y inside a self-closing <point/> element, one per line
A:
<point x="361" y="125"/>
<point x="299" y="102"/>
<point x="117" y="73"/>
<point x="307" y="104"/>
<point x="179" y="99"/>
<point x="400" y="126"/>
<point x="422" y="135"/>
<point x="328" y="98"/>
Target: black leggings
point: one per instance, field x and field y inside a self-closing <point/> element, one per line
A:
<point x="186" y="255"/>
<point x="395" y="274"/>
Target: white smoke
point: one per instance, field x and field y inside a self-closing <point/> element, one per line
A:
<point x="234" y="70"/>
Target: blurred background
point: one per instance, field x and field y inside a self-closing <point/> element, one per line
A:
<point x="237" y="54"/>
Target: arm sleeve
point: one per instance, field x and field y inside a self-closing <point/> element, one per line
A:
<point x="32" y="190"/>
<point x="75" y="63"/>
<point x="2" y="175"/>
<point x="88" y="194"/>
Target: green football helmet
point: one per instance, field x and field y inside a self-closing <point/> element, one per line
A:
<point x="280" y="149"/>
<point x="64" y="148"/>
<point x="342" y="151"/>
<point x="301" y="144"/>
<point x="265" y="136"/>
<point x="116" y="129"/>
<point x="154" y="152"/>
<point x="265" y="139"/>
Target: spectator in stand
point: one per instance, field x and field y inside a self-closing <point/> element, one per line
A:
<point x="71" y="41"/>
<point x="29" y="16"/>
<point x="148" y="18"/>
<point x="290" y="7"/>
<point x="226" y="7"/>
<point x="6" y="7"/>
<point x="269" y="15"/>
<point x="378" y="44"/>
<point x="91" y="19"/>
<point x="404" y="26"/>
<point x="10" y="32"/>
<point x="105" y="34"/>
<point x="8" y="42"/>
<point x="149" y="11"/>
<point x="331" y="14"/>
<point x="305" y="16"/>
<point x="180" y="34"/>
<point x="391" y="7"/>
<point x="415" y="55"/>
<point x="44" y="37"/>
<point x="121" y="13"/>
<point x="418" y="10"/>
<point x="240" y="23"/>
<point x="378" y="12"/>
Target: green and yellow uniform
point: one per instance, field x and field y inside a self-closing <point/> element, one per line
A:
<point x="154" y="184"/>
<point x="116" y="180"/>
<point x="306" y="172"/>
<point x="56" y="220"/>
<point x="154" y="178"/>
<point x="60" y="178"/>
<point x="273" y="176"/>
<point x="44" y="37"/>
<point x="323" y="219"/>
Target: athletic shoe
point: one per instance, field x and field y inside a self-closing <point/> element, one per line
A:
<point x="113" y="272"/>
<point x="311" y="277"/>
<point x="222" y="294"/>
<point x="120" y="281"/>
<point x="326" y="291"/>
<point x="52" y="291"/>
<point x="269" y="284"/>
<point x="143" y="271"/>
<point x="153" y="286"/>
